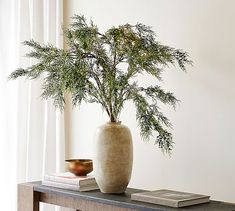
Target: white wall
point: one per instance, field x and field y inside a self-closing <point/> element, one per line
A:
<point x="203" y="158"/>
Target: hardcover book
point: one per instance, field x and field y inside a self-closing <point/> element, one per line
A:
<point x="170" y="198"/>
<point x="70" y="178"/>
<point x="70" y="187"/>
<point x="69" y="181"/>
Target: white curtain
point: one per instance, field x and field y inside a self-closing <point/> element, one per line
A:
<point x="31" y="130"/>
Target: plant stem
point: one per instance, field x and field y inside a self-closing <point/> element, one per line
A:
<point x="112" y="118"/>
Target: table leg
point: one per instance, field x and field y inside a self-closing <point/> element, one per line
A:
<point x="28" y="200"/>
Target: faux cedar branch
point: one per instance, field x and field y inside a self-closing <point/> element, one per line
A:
<point x="91" y="70"/>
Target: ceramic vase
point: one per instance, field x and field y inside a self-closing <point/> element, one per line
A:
<point x="113" y="157"/>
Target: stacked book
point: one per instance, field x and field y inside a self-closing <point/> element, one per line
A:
<point x="69" y="181"/>
<point x="170" y="198"/>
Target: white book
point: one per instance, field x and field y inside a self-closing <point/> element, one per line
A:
<point x="69" y="178"/>
<point x="170" y="198"/>
<point x="70" y="187"/>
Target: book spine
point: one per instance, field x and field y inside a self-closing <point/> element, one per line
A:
<point x="70" y="187"/>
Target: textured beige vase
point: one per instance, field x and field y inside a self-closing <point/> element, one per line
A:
<point x="113" y="157"/>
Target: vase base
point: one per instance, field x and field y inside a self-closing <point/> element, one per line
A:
<point x="117" y="191"/>
<point x="111" y="192"/>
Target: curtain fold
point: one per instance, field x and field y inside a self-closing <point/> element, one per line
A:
<point x="31" y="130"/>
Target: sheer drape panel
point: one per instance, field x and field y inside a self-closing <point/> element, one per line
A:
<point x="53" y="15"/>
<point x="7" y="108"/>
<point x="31" y="130"/>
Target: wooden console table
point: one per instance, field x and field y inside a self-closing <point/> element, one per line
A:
<point x="30" y="194"/>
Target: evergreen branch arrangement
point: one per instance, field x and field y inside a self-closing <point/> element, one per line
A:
<point x="101" y="68"/>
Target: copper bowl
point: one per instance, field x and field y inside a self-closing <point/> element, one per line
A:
<point x="80" y="167"/>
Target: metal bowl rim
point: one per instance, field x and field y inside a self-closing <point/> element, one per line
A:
<point x="78" y="160"/>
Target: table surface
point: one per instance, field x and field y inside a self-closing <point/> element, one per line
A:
<point x="124" y="200"/>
